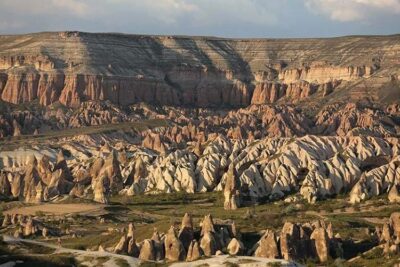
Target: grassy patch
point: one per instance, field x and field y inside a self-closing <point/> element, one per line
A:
<point x="92" y="240"/>
<point x="55" y="260"/>
<point x="154" y="264"/>
<point x="243" y="261"/>
<point x="121" y="262"/>
<point x="37" y="249"/>
<point x="374" y="258"/>
<point x="230" y="264"/>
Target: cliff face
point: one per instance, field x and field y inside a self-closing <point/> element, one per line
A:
<point x="72" y="67"/>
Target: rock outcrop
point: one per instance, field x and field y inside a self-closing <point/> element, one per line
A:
<point x="268" y="246"/>
<point x="231" y="190"/>
<point x="394" y="195"/>
<point x="174" y="250"/>
<point x="313" y="167"/>
<point x="208" y="244"/>
<point x="296" y="242"/>
<point x="320" y="243"/>
<point x="235" y="247"/>
<point x="197" y="71"/>
<point x="147" y="251"/>
<point x="186" y="232"/>
<point x="299" y="241"/>
<point x="389" y="235"/>
<point x="194" y="251"/>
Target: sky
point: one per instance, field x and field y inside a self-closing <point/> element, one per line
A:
<point x="224" y="18"/>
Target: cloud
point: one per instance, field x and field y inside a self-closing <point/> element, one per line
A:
<point x="201" y="12"/>
<point x="230" y="18"/>
<point x="165" y="13"/>
<point x="78" y="8"/>
<point x="250" y="11"/>
<point x="353" y="10"/>
<point x="20" y="16"/>
<point x="74" y="8"/>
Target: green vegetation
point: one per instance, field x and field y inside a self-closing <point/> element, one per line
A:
<point x="230" y="264"/>
<point x="374" y="258"/>
<point x="243" y="261"/>
<point x="155" y="264"/>
<point x="91" y="241"/>
<point x="121" y="262"/>
<point x="98" y="261"/>
<point x="59" y="260"/>
<point x="34" y="255"/>
<point x="162" y="210"/>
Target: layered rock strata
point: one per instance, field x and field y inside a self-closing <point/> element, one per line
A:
<point x="73" y="67"/>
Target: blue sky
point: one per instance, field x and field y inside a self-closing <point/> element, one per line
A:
<point x="226" y="18"/>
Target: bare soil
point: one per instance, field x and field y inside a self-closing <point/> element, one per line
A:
<point x="58" y="209"/>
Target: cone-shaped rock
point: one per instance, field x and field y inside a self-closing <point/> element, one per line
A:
<point x="235" y="247"/>
<point x="5" y="186"/>
<point x="194" y="251"/>
<point x="159" y="253"/>
<point x="133" y="249"/>
<point x="122" y="246"/>
<point x="140" y="170"/>
<point x="208" y="244"/>
<point x="386" y="233"/>
<point x="207" y="225"/>
<point x="174" y="250"/>
<point x="44" y="169"/>
<point x="147" y="250"/>
<point x="289" y="239"/>
<point x="45" y="232"/>
<point x="18" y="233"/>
<point x="268" y="246"/>
<point x="29" y="227"/>
<point x="6" y="220"/>
<point x="17" y="186"/>
<point x="131" y="230"/>
<point x="320" y="241"/>
<point x="101" y="189"/>
<point x="61" y="164"/>
<point x="60" y="184"/>
<point x="394" y="195"/>
<point x="110" y="171"/>
<point x="231" y="190"/>
<point x="186" y="233"/>
<point x="395" y="222"/>
<point x="31" y="180"/>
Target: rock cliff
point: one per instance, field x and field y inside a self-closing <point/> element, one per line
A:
<point x="74" y="67"/>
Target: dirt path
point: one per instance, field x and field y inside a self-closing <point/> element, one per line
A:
<point x="133" y="262"/>
<point x="58" y="209"/>
<point x="243" y="261"/>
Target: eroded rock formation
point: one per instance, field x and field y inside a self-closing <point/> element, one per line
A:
<point x="200" y="71"/>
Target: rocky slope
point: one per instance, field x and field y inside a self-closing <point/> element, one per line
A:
<point x="192" y="124"/>
<point x="98" y="117"/>
<point x="316" y="117"/>
<point x="311" y="167"/>
<point x="73" y="67"/>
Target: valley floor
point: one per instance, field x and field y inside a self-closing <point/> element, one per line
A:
<point x="352" y="222"/>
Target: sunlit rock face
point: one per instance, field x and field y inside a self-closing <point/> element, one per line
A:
<point x="194" y="71"/>
<point x="314" y="167"/>
<point x="254" y="119"/>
